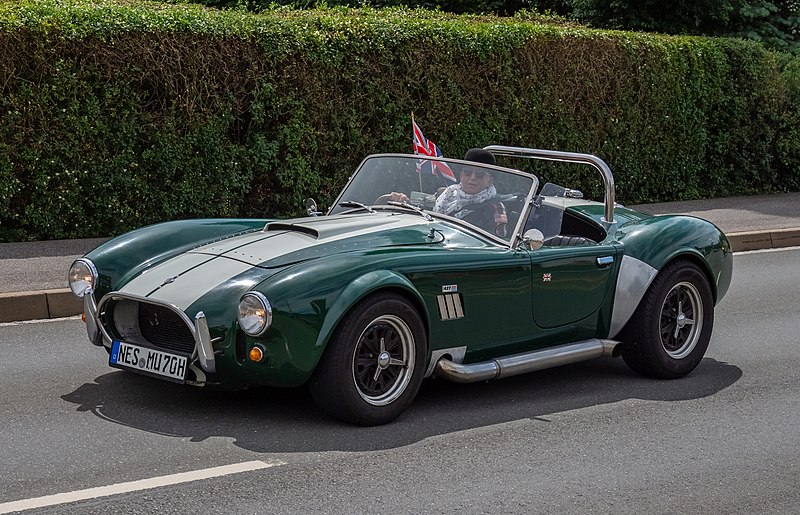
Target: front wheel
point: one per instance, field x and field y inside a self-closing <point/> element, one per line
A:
<point x="372" y="367"/>
<point x="669" y="333"/>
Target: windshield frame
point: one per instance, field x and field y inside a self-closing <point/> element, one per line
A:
<point x="516" y="236"/>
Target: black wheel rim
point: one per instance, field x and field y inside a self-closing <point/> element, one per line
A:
<point x="383" y="360"/>
<point x="681" y="320"/>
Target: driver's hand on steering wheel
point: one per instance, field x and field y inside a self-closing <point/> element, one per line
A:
<point x="398" y="197"/>
<point x="392" y="197"/>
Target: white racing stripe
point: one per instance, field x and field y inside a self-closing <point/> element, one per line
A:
<point x="134" y="486"/>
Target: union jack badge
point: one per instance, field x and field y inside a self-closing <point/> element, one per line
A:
<point x="546" y="277"/>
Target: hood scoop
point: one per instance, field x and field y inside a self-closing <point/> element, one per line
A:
<point x="283" y="226"/>
<point x="326" y="228"/>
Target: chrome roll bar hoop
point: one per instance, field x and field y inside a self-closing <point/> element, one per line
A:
<point x="567" y="157"/>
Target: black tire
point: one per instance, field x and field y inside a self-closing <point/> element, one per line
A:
<point x="668" y="334"/>
<point x="372" y="367"/>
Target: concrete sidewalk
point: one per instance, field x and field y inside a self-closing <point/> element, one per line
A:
<point x="33" y="275"/>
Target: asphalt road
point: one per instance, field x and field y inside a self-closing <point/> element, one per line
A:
<point x="592" y="437"/>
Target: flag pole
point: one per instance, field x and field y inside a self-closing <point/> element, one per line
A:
<point x="415" y="149"/>
<point x="412" y="133"/>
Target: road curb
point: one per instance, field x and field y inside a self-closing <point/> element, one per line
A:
<point x="35" y="305"/>
<point x="759" y="240"/>
<point x="58" y="303"/>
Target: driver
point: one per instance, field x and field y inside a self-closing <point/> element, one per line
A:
<point x="475" y="187"/>
<point x="471" y="199"/>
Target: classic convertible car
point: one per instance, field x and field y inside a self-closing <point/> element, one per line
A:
<point x="385" y="289"/>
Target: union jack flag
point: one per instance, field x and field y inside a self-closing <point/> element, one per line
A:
<point x="425" y="147"/>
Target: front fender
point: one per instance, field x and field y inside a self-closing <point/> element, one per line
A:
<point x="358" y="289"/>
<point x="309" y="301"/>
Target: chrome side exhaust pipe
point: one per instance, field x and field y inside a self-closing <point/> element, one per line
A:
<point x="525" y="362"/>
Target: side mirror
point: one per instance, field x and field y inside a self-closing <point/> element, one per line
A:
<point x="311" y="207"/>
<point x="533" y="239"/>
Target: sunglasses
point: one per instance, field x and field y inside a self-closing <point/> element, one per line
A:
<point x="479" y="174"/>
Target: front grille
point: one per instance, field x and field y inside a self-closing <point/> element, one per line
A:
<point x="163" y="328"/>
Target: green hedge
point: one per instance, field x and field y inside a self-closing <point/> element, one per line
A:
<point x="118" y="115"/>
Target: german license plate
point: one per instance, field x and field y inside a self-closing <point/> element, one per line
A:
<point x="149" y="361"/>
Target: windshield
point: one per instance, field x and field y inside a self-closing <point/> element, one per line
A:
<point x="487" y="197"/>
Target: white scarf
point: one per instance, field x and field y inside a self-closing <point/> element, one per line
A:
<point x="454" y="199"/>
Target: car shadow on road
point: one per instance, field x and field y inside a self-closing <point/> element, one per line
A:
<point x="272" y="420"/>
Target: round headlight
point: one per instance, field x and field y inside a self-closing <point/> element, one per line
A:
<point x="255" y="313"/>
<point x="82" y="275"/>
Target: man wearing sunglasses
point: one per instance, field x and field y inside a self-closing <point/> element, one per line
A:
<point x="468" y="200"/>
<point x="475" y="187"/>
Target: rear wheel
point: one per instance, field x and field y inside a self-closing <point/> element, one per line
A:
<point x="372" y="367"/>
<point x="669" y="333"/>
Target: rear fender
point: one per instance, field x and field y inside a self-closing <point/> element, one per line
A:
<point x="653" y="243"/>
<point x="661" y="239"/>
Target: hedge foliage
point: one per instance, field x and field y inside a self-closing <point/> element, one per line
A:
<point x="774" y="23"/>
<point x="116" y="115"/>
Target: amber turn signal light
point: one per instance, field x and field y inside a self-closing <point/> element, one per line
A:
<point x="83" y="317"/>
<point x="257" y="353"/>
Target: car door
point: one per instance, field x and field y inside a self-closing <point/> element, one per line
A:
<point x="479" y="299"/>
<point x="571" y="287"/>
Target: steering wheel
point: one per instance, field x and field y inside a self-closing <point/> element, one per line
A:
<point x="490" y="215"/>
<point x="472" y="208"/>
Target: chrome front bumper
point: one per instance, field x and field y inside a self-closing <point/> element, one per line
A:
<point x="203" y="353"/>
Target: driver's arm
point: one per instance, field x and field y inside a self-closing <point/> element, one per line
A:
<point x="393" y="196"/>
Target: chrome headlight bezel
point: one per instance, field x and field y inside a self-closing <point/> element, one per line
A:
<point x="81" y="270"/>
<point x="254" y="313"/>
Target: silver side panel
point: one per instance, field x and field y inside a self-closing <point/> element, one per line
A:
<point x="634" y="278"/>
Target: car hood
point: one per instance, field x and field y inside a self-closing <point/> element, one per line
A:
<point x="241" y="262"/>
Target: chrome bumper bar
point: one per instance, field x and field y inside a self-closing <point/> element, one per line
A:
<point x="203" y="350"/>
<point x="90" y="312"/>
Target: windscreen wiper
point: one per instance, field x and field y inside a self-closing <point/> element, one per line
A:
<point x="412" y="207"/>
<point x="353" y="203"/>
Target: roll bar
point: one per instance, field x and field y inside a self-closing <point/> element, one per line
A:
<point x="567" y="157"/>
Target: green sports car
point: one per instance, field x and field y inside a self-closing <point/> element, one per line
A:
<point x="412" y="273"/>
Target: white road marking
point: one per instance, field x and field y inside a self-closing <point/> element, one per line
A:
<point x="764" y="251"/>
<point x="134" y="486"/>
<point x="39" y="321"/>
